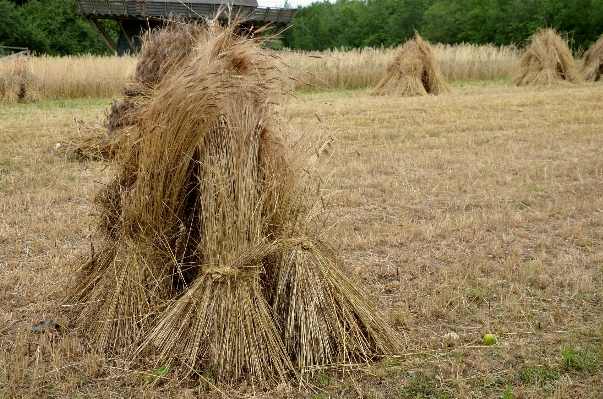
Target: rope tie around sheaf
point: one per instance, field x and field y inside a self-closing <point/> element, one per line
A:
<point x="248" y="265"/>
<point x="222" y="274"/>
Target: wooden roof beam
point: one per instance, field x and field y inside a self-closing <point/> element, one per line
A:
<point x="103" y="34"/>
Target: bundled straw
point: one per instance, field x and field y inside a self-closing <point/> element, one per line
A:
<point x="592" y="65"/>
<point x="547" y="61"/>
<point x="17" y="82"/>
<point x="164" y="48"/>
<point x="413" y="72"/>
<point x="93" y="142"/>
<point x="209" y="259"/>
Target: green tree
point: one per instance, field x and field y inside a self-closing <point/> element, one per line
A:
<point x="8" y="19"/>
<point x="446" y="21"/>
<point x="406" y="17"/>
<point x="51" y="27"/>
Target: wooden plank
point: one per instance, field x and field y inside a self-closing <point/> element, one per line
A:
<point x="125" y="35"/>
<point x="103" y="34"/>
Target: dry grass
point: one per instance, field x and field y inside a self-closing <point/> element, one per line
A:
<point x="84" y="76"/>
<point x="479" y="211"/>
<point x="413" y="72"/>
<point x="363" y="68"/>
<point x="548" y="60"/>
<point x="592" y="65"/>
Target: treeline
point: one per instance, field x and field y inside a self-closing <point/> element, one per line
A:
<point x="51" y="27"/>
<point x="54" y="26"/>
<point x="361" y="23"/>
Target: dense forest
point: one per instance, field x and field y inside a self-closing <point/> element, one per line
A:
<point x="54" y="26"/>
<point x="51" y="27"/>
<point x="360" y="23"/>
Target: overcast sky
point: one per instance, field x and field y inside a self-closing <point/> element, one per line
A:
<point x="279" y="3"/>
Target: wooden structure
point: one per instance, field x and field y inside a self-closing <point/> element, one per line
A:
<point x="7" y="51"/>
<point x="134" y="16"/>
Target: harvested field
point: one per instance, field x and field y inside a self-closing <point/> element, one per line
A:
<point x="476" y="212"/>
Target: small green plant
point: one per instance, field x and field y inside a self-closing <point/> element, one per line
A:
<point x="391" y="362"/>
<point x="208" y="375"/>
<point x="586" y="360"/>
<point x="533" y="186"/>
<point x="207" y="378"/>
<point x="323" y="380"/>
<point x="537" y="374"/>
<point x="508" y="394"/>
<point x="158" y="373"/>
<point x="477" y="294"/>
<point x="420" y="387"/>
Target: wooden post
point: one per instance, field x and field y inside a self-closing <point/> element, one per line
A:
<point x="123" y="32"/>
<point x="103" y="34"/>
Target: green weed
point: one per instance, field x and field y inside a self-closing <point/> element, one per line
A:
<point x="538" y="374"/>
<point x="587" y="360"/>
<point x="158" y="373"/>
<point x="420" y="387"/>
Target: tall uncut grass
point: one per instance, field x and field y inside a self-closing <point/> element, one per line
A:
<point x="94" y="76"/>
<point x="82" y="76"/>
<point x="362" y="68"/>
<point x="85" y="76"/>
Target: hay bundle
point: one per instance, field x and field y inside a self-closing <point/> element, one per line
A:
<point x="413" y="72"/>
<point x="163" y="48"/>
<point x="592" y="65"/>
<point x="209" y="258"/>
<point x="17" y="82"/>
<point x="547" y="61"/>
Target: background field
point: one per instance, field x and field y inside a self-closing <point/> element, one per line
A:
<point x="54" y="78"/>
<point x="477" y="211"/>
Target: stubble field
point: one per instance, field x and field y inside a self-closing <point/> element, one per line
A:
<point x="479" y="211"/>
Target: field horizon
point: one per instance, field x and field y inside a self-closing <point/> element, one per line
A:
<point x="46" y="78"/>
<point x="478" y="211"/>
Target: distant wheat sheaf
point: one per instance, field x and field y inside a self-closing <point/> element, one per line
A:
<point x="592" y="66"/>
<point x="548" y="60"/>
<point x="17" y="81"/>
<point x="413" y="72"/>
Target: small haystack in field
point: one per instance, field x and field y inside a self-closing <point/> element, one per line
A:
<point x="17" y="82"/>
<point x="413" y="72"/>
<point x="592" y="64"/>
<point x="209" y="257"/>
<point x="547" y="61"/>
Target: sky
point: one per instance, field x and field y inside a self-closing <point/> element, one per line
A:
<point x="279" y="3"/>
